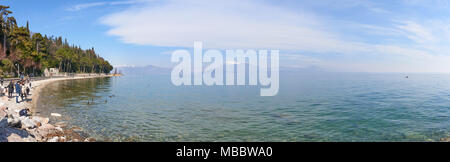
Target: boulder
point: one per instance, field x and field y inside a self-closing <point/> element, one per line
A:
<point x="3" y="122"/>
<point x="15" y="138"/>
<point x="14" y="122"/>
<point x="30" y="139"/>
<point x="46" y="131"/>
<point x="54" y="139"/>
<point x="3" y="112"/>
<point x="89" y="140"/>
<point x="41" y="120"/>
<point x="28" y="123"/>
<point x="447" y="139"/>
<point x="61" y="124"/>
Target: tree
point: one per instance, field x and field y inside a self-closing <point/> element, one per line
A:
<point x="34" y="52"/>
<point x="5" y="24"/>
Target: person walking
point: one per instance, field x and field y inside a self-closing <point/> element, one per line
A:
<point x="18" y="91"/>
<point x="10" y="89"/>
<point x="24" y="91"/>
<point x="28" y="88"/>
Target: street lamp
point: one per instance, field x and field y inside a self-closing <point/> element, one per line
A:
<point x="18" y="70"/>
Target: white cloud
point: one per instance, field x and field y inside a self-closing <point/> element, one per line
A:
<point x="224" y="24"/>
<point x="251" y="24"/>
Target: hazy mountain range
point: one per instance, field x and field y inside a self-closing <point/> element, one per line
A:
<point x="150" y="69"/>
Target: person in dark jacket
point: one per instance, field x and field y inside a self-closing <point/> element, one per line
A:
<point x="10" y="89"/>
<point x="18" y="91"/>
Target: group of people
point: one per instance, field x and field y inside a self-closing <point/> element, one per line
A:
<point x="21" y="87"/>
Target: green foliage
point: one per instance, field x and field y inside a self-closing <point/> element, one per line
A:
<point x="34" y="52"/>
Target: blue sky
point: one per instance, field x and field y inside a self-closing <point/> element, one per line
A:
<point x="336" y="35"/>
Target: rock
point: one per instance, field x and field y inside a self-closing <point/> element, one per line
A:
<point x="46" y="131"/>
<point x="89" y="140"/>
<point x="54" y="139"/>
<point x="56" y="114"/>
<point x="3" y="112"/>
<point x="28" y="123"/>
<point x="3" y="122"/>
<point x="30" y="139"/>
<point x="14" y="122"/>
<point x="59" y="129"/>
<point x="61" y="124"/>
<point x="15" y="138"/>
<point x="41" y="120"/>
<point x="445" y="139"/>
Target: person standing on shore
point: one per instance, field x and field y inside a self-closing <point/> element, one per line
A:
<point x="28" y="88"/>
<point x="1" y="81"/>
<point x="10" y="89"/>
<point x="24" y="91"/>
<point x="18" y="91"/>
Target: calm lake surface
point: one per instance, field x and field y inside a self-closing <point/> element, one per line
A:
<point x="309" y="107"/>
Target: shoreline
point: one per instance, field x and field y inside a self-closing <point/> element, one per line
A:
<point x="33" y="127"/>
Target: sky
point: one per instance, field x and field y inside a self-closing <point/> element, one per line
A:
<point x="334" y="35"/>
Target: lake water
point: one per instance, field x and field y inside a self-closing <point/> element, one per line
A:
<point x="309" y="107"/>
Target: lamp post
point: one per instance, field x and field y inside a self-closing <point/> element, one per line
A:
<point x="18" y="70"/>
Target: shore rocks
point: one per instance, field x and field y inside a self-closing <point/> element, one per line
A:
<point x="57" y="139"/>
<point x="3" y="112"/>
<point x="447" y="139"/>
<point x="14" y="122"/>
<point x="89" y="140"/>
<point x="3" y="122"/>
<point x="19" y="126"/>
<point x="16" y="138"/>
<point x="28" y="123"/>
<point x="47" y="132"/>
<point x="41" y="120"/>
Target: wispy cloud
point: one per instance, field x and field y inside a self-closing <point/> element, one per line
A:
<point x="79" y="7"/>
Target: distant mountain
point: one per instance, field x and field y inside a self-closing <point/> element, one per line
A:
<point x="143" y="70"/>
<point x="150" y="69"/>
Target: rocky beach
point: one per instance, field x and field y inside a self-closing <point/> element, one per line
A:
<point x="18" y="122"/>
